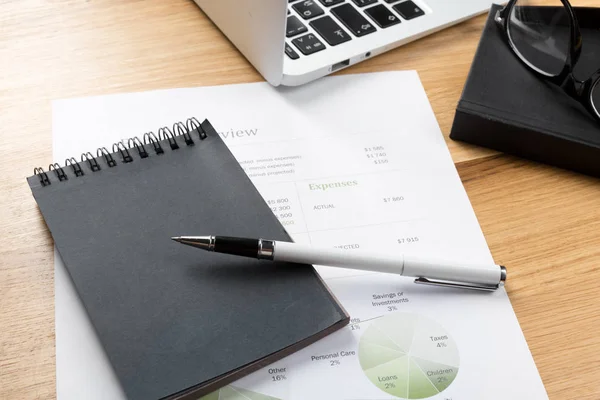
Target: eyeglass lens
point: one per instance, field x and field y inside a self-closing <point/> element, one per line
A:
<point x="540" y="31"/>
<point x="596" y="97"/>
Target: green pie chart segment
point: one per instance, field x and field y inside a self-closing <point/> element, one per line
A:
<point x="391" y="376"/>
<point x="236" y="393"/>
<point x="439" y="374"/>
<point x="372" y="355"/>
<point x="408" y="356"/>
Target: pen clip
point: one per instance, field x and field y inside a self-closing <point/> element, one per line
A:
<point x="425" y="281"/>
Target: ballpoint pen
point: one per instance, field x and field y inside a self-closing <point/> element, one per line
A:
<point x="426" y="270"/>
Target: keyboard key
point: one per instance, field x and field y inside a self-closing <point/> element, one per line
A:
<point x="308" y="44"/>
<point x="294" y="27"/>
<point x="291" y="52"/>
<point x="330" y="31"/>
<point x="362" y="3"/>
<point x="329" y="3"/>
<point x="353" y="20"/>
<point x="408" y="10"/>
<point x="308" y="9"/>
<point x="382" y="16"/>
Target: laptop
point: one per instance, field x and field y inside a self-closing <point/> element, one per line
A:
<point x="292" y="42"/>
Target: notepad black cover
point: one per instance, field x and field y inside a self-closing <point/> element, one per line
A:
<point x="174" y="321"/>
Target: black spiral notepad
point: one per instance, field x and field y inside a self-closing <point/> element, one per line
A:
<point x="174" y="321"/>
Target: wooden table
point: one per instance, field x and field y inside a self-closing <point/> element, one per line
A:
<point x="543" y="222"/>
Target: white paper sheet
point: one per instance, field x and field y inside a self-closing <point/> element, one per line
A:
<point x="355" y="161"/>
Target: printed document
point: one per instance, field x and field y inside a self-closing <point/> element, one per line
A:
<point x="356" y="162"/>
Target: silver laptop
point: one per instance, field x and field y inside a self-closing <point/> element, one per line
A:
<point x="296" y="41"/>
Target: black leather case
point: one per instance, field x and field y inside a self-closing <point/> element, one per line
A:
<point x="504" y="106"/>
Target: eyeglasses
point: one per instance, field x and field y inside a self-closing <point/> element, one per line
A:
<point x="545" y="35"/>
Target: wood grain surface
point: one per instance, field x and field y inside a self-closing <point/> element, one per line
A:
<point x="541" y="221"/>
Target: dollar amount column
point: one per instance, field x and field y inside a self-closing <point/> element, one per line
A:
<point x="283" y="200"/>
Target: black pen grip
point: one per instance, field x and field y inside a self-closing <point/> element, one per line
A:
<point x="236" y="246"/>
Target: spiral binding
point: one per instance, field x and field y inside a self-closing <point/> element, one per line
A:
<point x="134" y="144"/>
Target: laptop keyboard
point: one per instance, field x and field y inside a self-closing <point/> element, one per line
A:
<point x="333" y="22"/>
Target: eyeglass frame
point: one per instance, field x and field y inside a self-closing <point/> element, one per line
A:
<point x="579" y="90"/>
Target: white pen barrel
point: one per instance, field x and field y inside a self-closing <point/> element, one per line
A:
<point x="331" y="256"/>
<point x="480" y="274"/>
<point x="406" y="265"/>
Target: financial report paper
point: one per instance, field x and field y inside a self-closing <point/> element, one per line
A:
<point x="355" y="162"/>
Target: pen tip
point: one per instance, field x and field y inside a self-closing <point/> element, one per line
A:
<point x="176" y="238"/>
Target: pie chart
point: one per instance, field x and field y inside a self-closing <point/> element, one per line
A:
<point x="408" y="356"/>
<point x="230" y="392"/>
